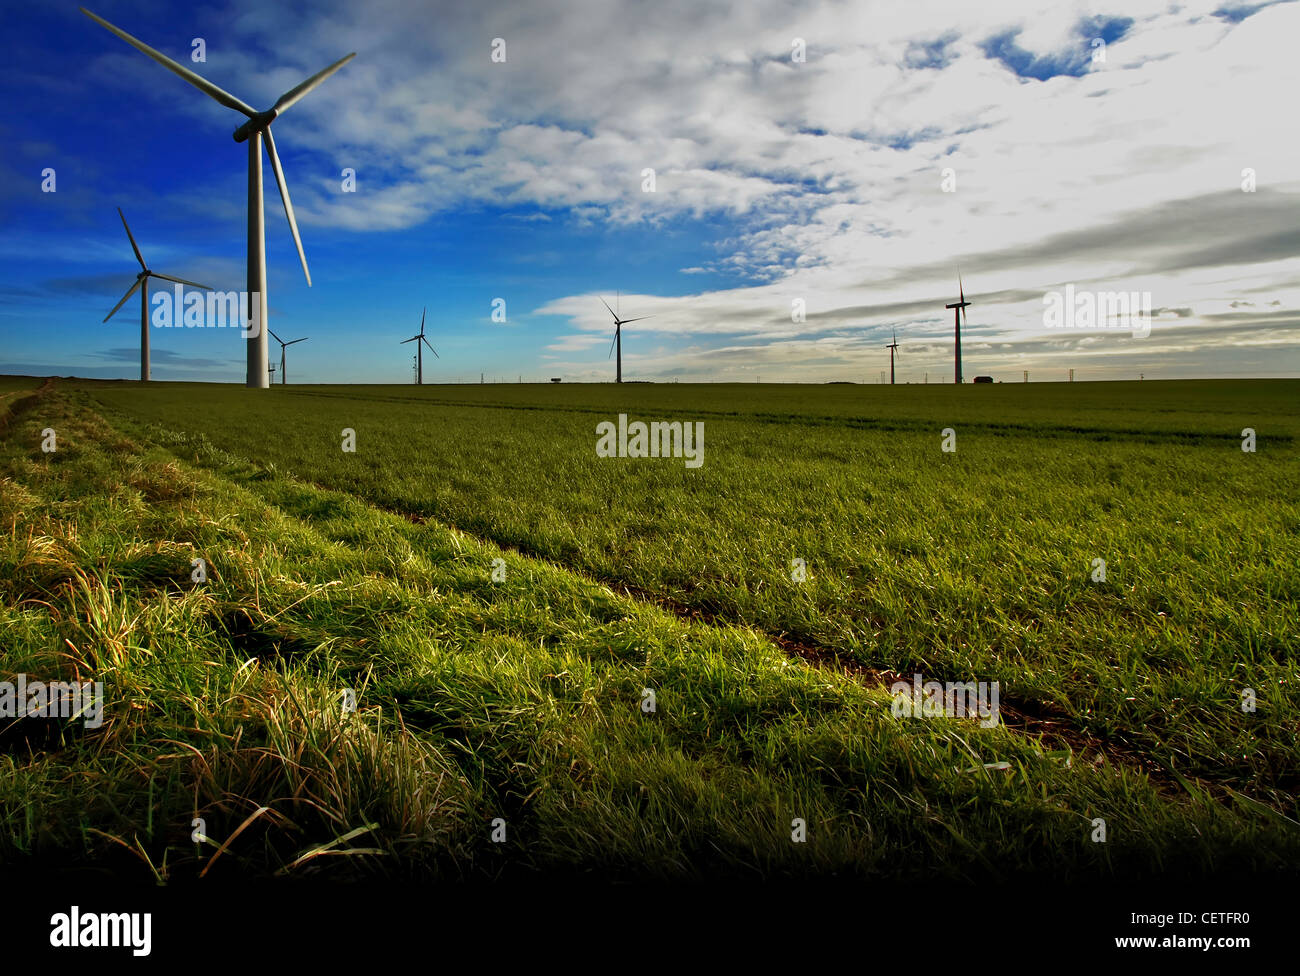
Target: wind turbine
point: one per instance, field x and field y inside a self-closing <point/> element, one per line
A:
<point x="958" y="314"/>
<point x="419" y="338"/>
<point x="252" y="131"/>
<point x="618" y="334"/>
<point x="893" y="346"/>
<point x="283" y="346"/>
<point x="142" y="282"/>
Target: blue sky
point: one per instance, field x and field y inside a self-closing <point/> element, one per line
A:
<point x="820" y="180"/>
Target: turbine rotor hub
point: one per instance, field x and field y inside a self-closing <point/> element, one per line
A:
<point x="258" y="123"/>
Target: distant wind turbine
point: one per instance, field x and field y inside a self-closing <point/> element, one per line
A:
<point x="420" y="341"/>
<point x="892" y="347"/>
<point x="142" y="282"/>
<point x="618" y="334"/>
<point x="283" y="346"/>
<point x="958" y="315"/>
<point x="252" y="131"/>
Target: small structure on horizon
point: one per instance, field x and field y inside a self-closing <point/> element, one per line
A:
<point x="984" y="379"/>
<point x="556" y="379"/>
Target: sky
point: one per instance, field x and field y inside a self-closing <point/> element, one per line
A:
<point x="780" y="187"/>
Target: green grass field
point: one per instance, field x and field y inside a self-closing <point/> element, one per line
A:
<point x="520" y="698"/>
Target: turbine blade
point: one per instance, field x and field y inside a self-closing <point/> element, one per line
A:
<point x="199" y="82"/>
<point x="606" y="304"/>
<point x="274" y="336"/>
<point x="422" y="314"/>
<point x="123" y="301"/>
<point x="405" y="341"/>
<point x="179" y="281"/>
<point x="637" y="319"/>
<point x="293" y="94"/>
<point x="960" y="289"/>
<point x="131" y="238"/>
<point x="284" y="195"/>
<point x="611" y="346"/>
<point x="303" y="339"/>
<point x="431" y="349"/>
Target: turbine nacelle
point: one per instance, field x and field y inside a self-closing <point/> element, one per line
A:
<point x="259" y="122"/>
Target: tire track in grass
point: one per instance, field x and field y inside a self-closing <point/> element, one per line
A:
<point x="1022" y="716"/>
<point x="17" y="402"/>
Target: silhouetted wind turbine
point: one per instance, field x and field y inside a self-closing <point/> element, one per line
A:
<point x="618" y="335"/>
<point x="142" y="282"/>
<point x="893" y="346"/>
<point x="283" y="346"/>
<point x="257" y="127"/>
<point x="958" y="314"/>
<point x="419" y="338"/>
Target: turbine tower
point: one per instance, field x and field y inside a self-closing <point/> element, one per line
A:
<point x="891" y="347"/>
<point x="253" y="131"/>
<point x="958" y="314"/>
<point x="142" y="282"/>
<point x="618" y="335"/>
<point x="420" y="340"/>
<point x="283" y="346"/>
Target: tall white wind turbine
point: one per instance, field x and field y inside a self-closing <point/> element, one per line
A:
<point x="142" y="282"/>
<point x="252" y="131"/>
